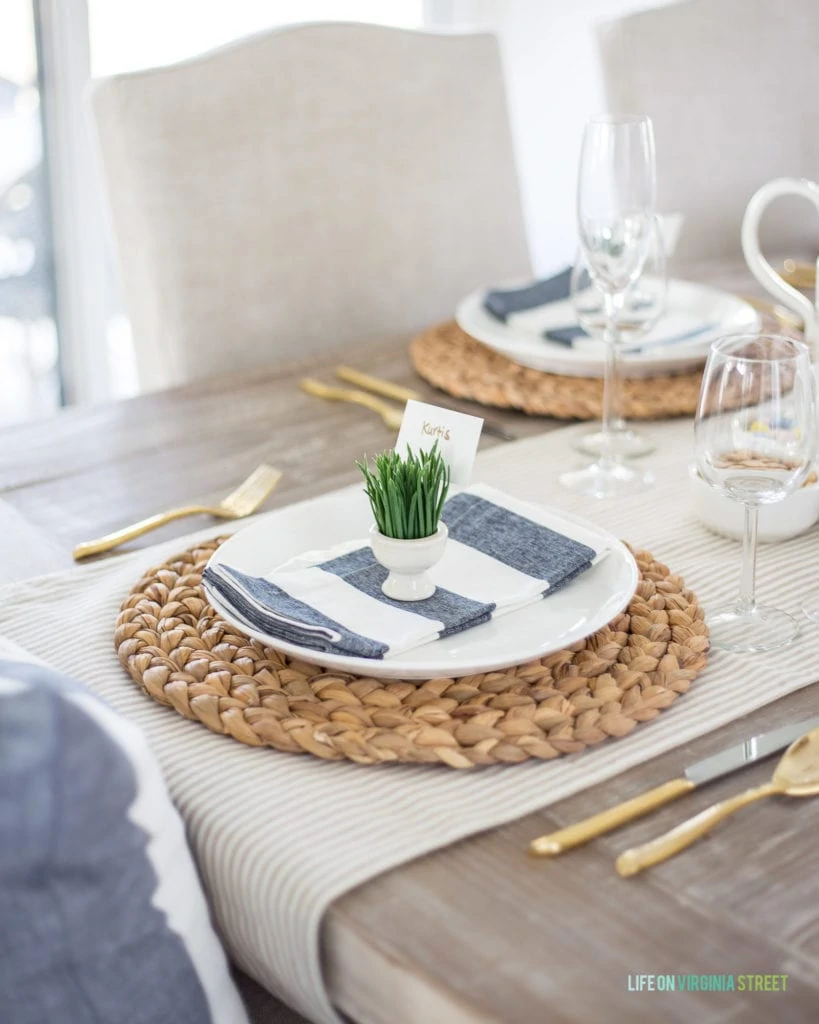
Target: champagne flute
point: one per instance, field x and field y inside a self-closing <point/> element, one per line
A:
<point x="644" y="305"/>
<point x="755" y="437"/>
<point x="615" y="208"/>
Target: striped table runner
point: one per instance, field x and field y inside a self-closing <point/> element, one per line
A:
<point x="272" y="832"/>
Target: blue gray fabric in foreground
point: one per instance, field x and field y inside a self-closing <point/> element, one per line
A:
<point x="92" y="928"/>
<point x="496" y="560"/>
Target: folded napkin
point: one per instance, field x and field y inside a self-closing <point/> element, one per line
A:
<point x="505" y="303"/>
<point x="542" y="308"/>
<point x="502" y="303"/>
<point x="502" y="554"/>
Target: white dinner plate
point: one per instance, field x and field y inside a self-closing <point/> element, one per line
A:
<point x="578" y="610"/>
<point x="689" y="307"/>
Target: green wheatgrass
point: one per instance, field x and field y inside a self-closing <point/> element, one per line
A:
<point x="407" y="495"/>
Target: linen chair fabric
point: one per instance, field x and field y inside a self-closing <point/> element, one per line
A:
<point x="733" y="89"/>
<point x="305" y="189"/>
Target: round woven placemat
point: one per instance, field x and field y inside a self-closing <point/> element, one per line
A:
<point x="175" y="646"/>
<point x="453" y="361"/>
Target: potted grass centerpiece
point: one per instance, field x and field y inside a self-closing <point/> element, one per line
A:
<point x="407" y="537"/>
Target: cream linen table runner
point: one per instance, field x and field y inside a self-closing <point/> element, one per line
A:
<point x="275" y="835"/>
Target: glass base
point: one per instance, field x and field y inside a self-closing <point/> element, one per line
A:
<point x="625" y="444"/>
<point x="614" y="481"/>
<point x="762" y="629"/>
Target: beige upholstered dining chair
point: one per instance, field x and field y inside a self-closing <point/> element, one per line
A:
<point x="305" y="189"/>
<point x="733" y="89"/>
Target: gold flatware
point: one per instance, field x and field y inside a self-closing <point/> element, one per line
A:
<point x="750" y="750"/>
<point x="247" y="497"/>
<point x="401" y="394"/>
<point x="797" y="774"/>
<point x="798" y="274"/>
<point x="783" y="316"/>
<point x="390" y="414"/>
<point x="377" y="385"/>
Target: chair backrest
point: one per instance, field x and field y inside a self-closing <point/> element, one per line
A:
<point x="733" y="90"/>
<point x="304" y="189"/>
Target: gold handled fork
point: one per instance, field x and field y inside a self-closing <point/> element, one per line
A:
<point x="390" y="414"/>
<point x="247" y="497"/>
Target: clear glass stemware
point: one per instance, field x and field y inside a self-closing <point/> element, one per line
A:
<point x="755" y="436"/>
<point x="615" y="210"/>
<point x="644" y="304"/>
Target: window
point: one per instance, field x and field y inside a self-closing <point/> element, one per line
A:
<point x="127" y="35"/>
<point x="29" y="378"/>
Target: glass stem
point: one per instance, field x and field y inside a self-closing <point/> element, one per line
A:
<point x="617" y="421"/>
<point x="747" y="583"/>
<point x="611" y="381"/>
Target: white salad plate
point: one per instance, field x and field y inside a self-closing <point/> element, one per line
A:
<point x="576" y="611"/>
<point x="690" y="308"/>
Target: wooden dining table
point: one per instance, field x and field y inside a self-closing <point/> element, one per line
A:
<point x="477" y="932"/>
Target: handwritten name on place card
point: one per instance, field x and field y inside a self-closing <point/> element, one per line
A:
<point x="456" y="433"/>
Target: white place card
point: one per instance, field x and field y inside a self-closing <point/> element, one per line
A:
<point x="456" y="433"/>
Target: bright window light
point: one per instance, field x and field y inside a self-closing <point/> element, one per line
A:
<point x="127" y="35"/>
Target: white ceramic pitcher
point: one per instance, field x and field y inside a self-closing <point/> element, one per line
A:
<point x="763" y="271"/>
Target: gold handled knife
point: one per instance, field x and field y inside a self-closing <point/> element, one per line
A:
<point x="376" y="385"/>
<point x="796" y="775"/>
<point x="731" y="760"/>
<point x="401" y="394"/>
<point x="390" y="414"/>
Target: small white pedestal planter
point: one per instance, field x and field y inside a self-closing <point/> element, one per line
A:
<point x="408" y="562"/>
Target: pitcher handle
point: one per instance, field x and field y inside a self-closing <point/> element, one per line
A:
<point x="759" y="266"/>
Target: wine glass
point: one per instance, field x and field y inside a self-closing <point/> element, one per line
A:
<point x="644" y="304"/>
<point x="615" y="210"/>
<point x="755" y="439"/>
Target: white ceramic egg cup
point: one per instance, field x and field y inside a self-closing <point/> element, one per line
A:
<point x="409" y="562"/>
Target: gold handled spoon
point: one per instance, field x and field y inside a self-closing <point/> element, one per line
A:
<point x="797" y="774"/>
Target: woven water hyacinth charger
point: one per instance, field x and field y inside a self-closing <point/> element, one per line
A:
<point x="182" y="654"/>
<point x="456" y="363"/>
